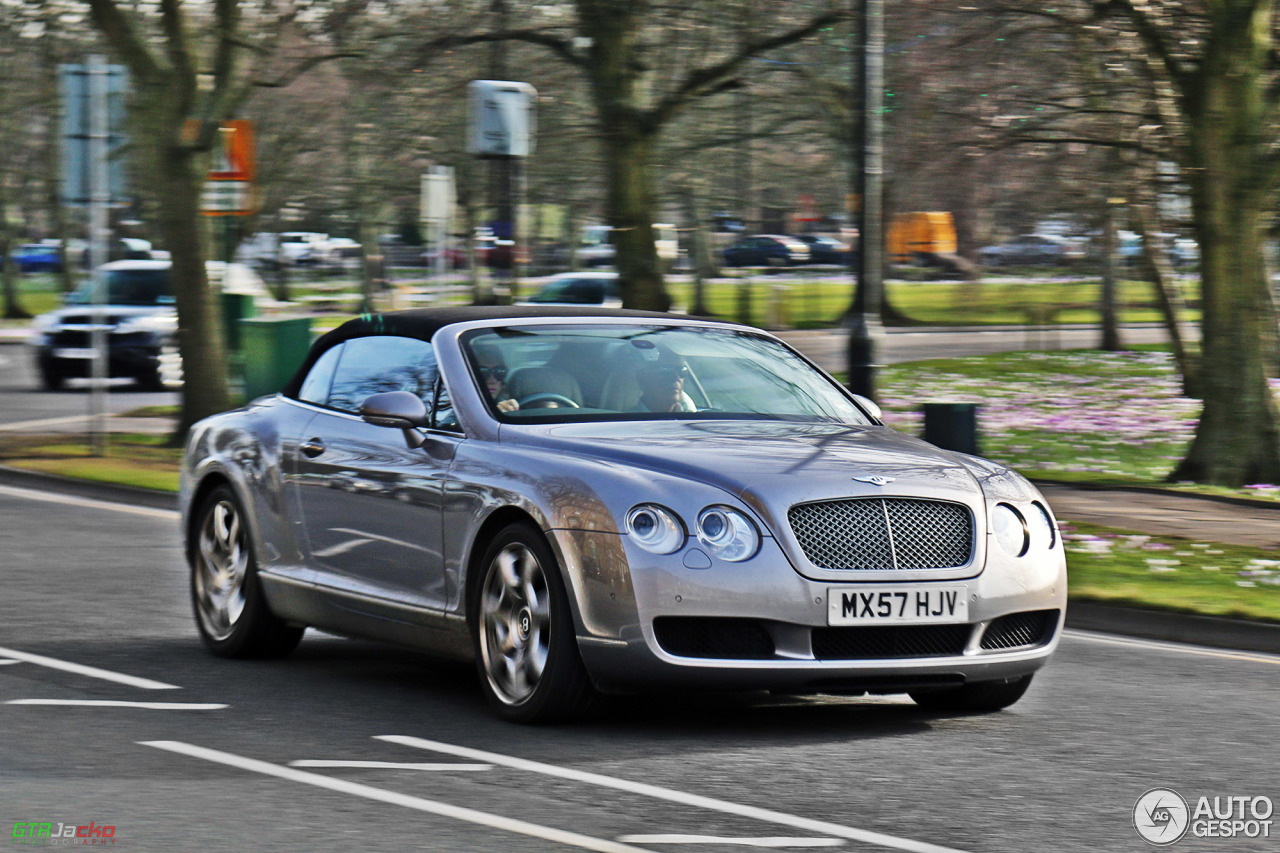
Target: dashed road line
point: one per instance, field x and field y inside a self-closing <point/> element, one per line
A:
<point x="395" y="798"/>
<point x="90" y="671"/>
<point x="116" y="703"/>
<point x="820" y="827"/>
<point x="775" y="842"/>
<point x="44" y="422"/>
<point x="68" y="500"/>
<point x="385" y="765"/>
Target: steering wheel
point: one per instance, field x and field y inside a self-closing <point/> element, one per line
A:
<point x="539" y="401"/>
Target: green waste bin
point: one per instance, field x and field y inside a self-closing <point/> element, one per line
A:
<point x="272" y="350"/>
<point x="236" y="307"/>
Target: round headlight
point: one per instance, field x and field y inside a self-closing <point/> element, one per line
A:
<point x="728" y="534"/>
<point x="1043" y="533"/>
<point x="1010" y="529"/>
<point x="655" y="529"/>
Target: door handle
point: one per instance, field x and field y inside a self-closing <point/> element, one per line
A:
<point x="312" y="447"/>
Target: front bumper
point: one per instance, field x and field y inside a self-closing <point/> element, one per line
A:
<point x="760" y="624"/>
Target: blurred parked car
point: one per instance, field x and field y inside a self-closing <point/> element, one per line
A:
<point x="766" y="250"/>
<point x="1027" y="250"/>
<point x="824" y="249"/>
<point x="580" y="288"/>
<point x="140" y="321"/>
<point x="38" y="257"/>
<point x="587" y="501"/>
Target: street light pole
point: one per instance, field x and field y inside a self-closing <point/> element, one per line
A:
<point x="863" y="320"/>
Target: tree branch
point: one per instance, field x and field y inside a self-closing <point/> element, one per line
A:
<point x="706" y="80"/>
<point x="122" y="36"/>
<point x="561" y="47"/>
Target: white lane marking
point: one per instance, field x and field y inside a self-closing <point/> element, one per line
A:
<point x="384" y="765"/>
<point x="1175" y="648"/>
<point x="69" y="500"/>
<point x="115" y="703"/>
<point x="44" y="422"/>
<point x="90" y="671"/>
<point x="395" y="798"/>
<point x="820" y="827"/>
<point x="672" y="838"/>
<point x="7" y="662"/>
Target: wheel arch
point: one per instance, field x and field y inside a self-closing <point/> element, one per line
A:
<point x="497" y="520"/>
<point x="210" y="481"/>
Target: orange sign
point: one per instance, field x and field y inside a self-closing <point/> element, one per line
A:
<point x="233" y="153"/>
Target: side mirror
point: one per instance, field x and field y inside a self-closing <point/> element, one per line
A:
<point x="395" y="409"/>
<point x="870" y="406"/>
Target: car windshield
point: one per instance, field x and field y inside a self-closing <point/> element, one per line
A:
<point x="130" y="287"/>
<point x="602" y="372"/>
<point x="578" y="291"/>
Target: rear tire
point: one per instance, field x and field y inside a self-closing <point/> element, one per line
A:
<point x="526" y="652"/>
<point x="978" y="697"/>
<point x="51" y="378"/>
<point x="231" y="610"/>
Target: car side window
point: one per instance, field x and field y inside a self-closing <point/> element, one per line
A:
<point x="445" y="418"/>
<point x="381" y="363"/>
<point x="315" y="388"/>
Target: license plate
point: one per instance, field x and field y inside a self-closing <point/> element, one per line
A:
<point x="889" y="605"/>
<point x="73" y="353"/>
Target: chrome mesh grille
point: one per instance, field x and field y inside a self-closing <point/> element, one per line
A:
<point x="884" y="533"/>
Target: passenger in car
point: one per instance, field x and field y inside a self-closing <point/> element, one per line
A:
<point x="662" y="390"/>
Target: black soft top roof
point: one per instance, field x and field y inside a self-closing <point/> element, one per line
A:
<point x="423" y="323"/>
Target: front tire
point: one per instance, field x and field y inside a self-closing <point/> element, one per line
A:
<point x="526" y="652"/>
<point x="51" y="378"/>
<point x="231" y="611"/>
<point x="979" y="697"/>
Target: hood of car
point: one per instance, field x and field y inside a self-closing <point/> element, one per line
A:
<point x="83" y="315"/>
<point x="772" y="463"/>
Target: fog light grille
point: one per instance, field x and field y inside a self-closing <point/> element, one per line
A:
<point x="712" y="637"/>
<point x="1018" y="630"/>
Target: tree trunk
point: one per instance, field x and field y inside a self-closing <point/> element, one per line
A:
<point x="630" y="212"/>
<point x="1238" y="439"/>
<point x="13" y="309"/>
<point x="1107" y="309"/>
<point x="1168" y="296"/>
<point x="178" y="179"/>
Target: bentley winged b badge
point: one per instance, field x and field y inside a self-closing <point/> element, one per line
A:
<point x="876" y="481"/>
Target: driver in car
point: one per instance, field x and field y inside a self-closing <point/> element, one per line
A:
<point x="493" y="373"/>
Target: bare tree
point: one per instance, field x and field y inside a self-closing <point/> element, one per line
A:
<point x="189" y="75"/>
<point x="641" y="70"/>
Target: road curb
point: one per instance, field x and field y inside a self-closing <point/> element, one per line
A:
<point x="1175" y="627"/>
<point x="39" y="481"/>
<point x="1252" y="503"/>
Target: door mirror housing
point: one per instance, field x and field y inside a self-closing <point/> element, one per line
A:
<point x="869" y="406"/>
<point x="395" y="409"/>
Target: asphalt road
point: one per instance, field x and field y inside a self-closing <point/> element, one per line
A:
<point x="103" y="585"/>
<point x="23" y="401"/>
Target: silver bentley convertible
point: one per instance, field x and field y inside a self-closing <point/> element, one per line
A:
<point x="588" y="501"/>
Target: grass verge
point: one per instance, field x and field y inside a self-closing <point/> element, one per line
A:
<point x="142" y="461"/>
<point x="1119" y="567"/>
